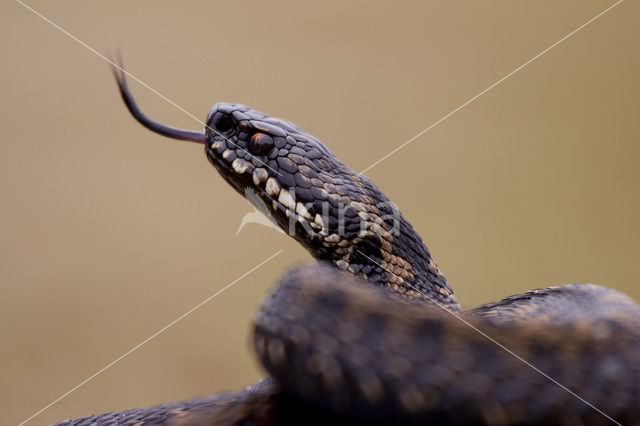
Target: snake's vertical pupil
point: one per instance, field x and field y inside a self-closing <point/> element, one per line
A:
<point x="260" y="144"/>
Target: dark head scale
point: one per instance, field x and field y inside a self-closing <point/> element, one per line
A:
<point x="337" y="214"/>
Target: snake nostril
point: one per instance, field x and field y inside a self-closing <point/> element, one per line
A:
<point x="224" y="125"/>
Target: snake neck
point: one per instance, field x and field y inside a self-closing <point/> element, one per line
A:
<point x="401" y="263"/>
<point x="370" y="238"/>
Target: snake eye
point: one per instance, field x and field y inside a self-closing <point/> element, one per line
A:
<point x="224" y="125"/>
<point x="260" y="144"/>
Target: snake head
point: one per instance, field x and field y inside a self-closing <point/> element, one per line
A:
<point x="291" y="171"/>
<point x="254" y="151"/>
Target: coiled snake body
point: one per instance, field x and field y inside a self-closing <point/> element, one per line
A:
<point x="372" y="333"/>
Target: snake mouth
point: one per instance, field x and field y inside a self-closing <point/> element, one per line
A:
<point x="239" y="181"/>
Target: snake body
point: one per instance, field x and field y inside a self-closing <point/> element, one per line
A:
<point x="372" y="333"/>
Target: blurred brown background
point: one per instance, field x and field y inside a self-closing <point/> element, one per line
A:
<point x="109" y="232"/>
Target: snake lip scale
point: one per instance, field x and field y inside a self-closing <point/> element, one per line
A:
<point x="356" y="338"/>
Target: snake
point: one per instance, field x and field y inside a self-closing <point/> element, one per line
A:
<point x="371" y="332"/>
